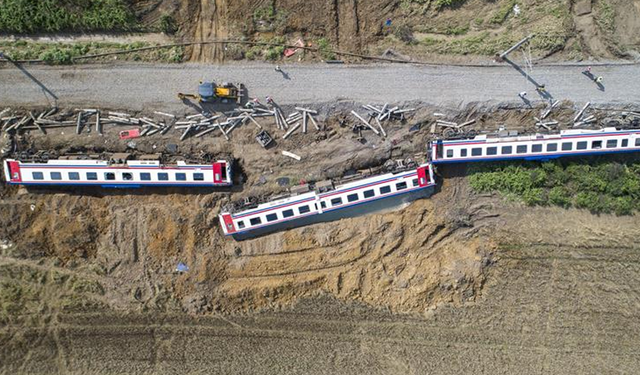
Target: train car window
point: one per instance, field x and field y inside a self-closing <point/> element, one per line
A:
<point x="323" y="204"/>
<point x="637" y="142"/>
<point x="181" y="177"/>
<point x="223" y="172"/>
<point x="255" y="221"/>
<point x="449" y="153"/>
<point x="368" y="193"/>
<point x="414" y="182"/>
<point x="522" y="149"/>
<point x="567" y="146"/>
<point x="272" y="217"/>
<point x="463" y="152"/>
<point x="74" y="176"/>
<point x="492" y="151"/>
<point x="352" y="197"/>
<point x="612" y="143"/>
<point x="109" y="176"/>
<point x="144" y="176"/>
<point x="401" y="185"/>
<point x="596" y="145"/>
<point x="625" y="143"/>
<point x="552" y="147"/>
<point x="56" y="176"/>
<point x="198" y="177"/>
<point x="336" y="201"/>
<point x="92" y="176"/>
<point x="507" y="150"/>
<point x="163" y="176"/>
<point x="385" y="189"/>
<point x="240" y="224"/>
<point x="476" y="151"/>
<point x="37" y="175"/>
<point x="304" y="209"/>
<point x="536" y="148"/>
<point x="287" y="213"/>
<point x="581" y="145"/>
<point x="127" y="176"/>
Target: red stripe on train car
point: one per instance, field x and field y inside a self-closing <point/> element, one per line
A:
<point x="228" y="222"/>
<point x="14" y="171"/>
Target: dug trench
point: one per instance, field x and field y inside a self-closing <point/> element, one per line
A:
<point x="457" y="276"/>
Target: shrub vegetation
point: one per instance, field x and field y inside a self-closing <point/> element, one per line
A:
<point x="601" y="186"/>
<point x="31" y="16"/>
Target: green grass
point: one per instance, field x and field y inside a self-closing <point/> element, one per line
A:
<point x="31" y="16"/>
<point x="324" y="47"/>
<point x="481" y="44"/>
<point x="448" y="3"/>
<point x="598" y="185"/>
<point x="501" y="15"/>
<point x="605" y="16"/>
<point x="63" y="53"/>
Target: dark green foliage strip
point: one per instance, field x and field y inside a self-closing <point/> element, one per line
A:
<point x="31" y="16"/>
<point x="601" y="186"/>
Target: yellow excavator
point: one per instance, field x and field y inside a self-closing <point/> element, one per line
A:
<point x="209" y="92"/>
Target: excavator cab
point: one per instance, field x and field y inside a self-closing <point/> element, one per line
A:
<point x="206" y="92"/>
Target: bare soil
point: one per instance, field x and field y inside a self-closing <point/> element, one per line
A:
<point x="497" y="289"/>
<point x="572" y="29"/>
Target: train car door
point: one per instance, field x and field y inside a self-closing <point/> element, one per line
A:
<point x="229" y="228"/>
<point x="14" y="171"/>
<point x="424" y="178"/>
<point x="217" y="173"/>
<point x="439" y="149"/>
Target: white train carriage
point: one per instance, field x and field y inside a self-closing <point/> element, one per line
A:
<point x="508" y="146"/>
<point x="328" y="203"/>
<point x="119" y="172"/>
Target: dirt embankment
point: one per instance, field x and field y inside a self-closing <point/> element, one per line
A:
<point x="572" y="29"/>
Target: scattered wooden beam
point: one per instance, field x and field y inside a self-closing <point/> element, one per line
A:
<point x="291" y="155"/>
<point x="365" y="122"/>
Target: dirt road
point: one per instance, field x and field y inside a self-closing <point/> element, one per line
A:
<point x="155" y="86"/>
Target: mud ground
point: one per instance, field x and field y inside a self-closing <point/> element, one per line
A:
<point x="557" y="297"/>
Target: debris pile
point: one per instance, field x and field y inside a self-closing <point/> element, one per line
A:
<point x="451" y="129"/>
<point x="380" y="115"/>
<point x="550" y="124"/>
<point x="579" y="121"/>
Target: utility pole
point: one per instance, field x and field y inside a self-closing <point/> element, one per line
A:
<point x="516" y="46"/>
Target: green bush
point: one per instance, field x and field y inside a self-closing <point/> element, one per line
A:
<point x="501" y="15"/>
<point x="404" y="33"/>
<point x="57" y="56"/>
<point x="167" y="24"/>
<point x="324" y="47"/>
<point x="448" y="3"/>
<point x="534" y="197"/>
<point x="558" y="196"/>
<point x="30" y="16"/>
<point x="598" y="186"/>
<point x="274" y="53"/>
